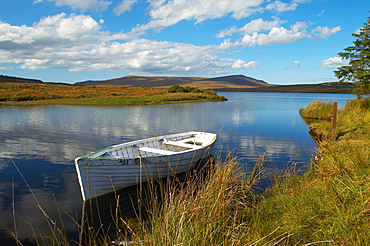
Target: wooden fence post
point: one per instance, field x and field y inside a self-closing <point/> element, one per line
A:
<point x="334" y="122"/>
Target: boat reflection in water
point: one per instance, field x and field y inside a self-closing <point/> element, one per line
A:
<point x="104" y="218"/>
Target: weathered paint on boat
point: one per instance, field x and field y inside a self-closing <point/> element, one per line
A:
<point x="127" y="164"/>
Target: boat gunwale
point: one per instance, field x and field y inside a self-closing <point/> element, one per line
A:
<point x="132" y="143"/>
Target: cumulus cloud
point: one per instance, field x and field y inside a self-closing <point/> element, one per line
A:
<point x="243" y="64"/>
<point x="276" y="35"/>
<point x="324" y="32"/>
<point x="281" y="7"/>
<point x="77" y="43"/>
<point x="260" y="32"/>
<point x="334" y="62"/>
<point x="256" y="25"/>
<point x="167" y="13"/>
<point x="57" y="30"/>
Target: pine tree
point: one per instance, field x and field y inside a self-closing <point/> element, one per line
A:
<point x="358" y="70"/>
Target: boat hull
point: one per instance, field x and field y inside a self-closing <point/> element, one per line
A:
<point x="99" y="176"/>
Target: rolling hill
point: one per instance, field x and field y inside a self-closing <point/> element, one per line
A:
<point x="4" y="78"/>
<point x="226" y="82"/>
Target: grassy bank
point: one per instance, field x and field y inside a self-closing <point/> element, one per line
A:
<point x="329" y="205"/>
<point x="353" y="121"/>
<point x="61" y="94"/>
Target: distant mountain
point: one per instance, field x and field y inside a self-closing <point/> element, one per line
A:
<point x="232" y="81"/>
<point x="136" y="81"/>
<point x="4" y="78"/>
<point x="225" y="83"/>
<point x="239" y="80"/>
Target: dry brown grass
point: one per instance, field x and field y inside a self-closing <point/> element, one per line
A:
<point x="17" y="91"/>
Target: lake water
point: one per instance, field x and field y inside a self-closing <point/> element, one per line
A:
<point x="38" y="145"/>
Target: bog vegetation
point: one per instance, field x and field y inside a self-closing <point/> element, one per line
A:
<point x="47" y="93"/>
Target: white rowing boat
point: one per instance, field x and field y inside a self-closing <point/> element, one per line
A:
<point x="130" y="163"/>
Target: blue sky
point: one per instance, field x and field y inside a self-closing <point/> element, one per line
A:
<point x="278" y="41"/>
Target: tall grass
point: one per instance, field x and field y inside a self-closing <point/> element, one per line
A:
<point x="318" y="109"/>
<point x="207" y="211"/>
<point x="331" y="203"/>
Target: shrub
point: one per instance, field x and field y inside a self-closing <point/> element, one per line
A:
<point x="177" y="88"/>
<point x="173" y="89"/>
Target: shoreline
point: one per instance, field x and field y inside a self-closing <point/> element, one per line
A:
<point x="334" y="87"/>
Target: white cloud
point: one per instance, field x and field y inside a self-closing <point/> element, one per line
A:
<point x="256" y="25"/>
<point x="334" y="62"/>
<point x="58" y="30"/>
<point x="260" y="32"/>
<point x="281" y="7"/>
<point x="321" y="13"/>
<point x="77" y="43"/>
<point x="277" y="35"/>
<point x="302" y="1"/>
<point x="84" y="5"/>
<point x="243" y="64"/>
<point x="324" y="32"/>
<point x="167" y="13"/>
<point x="125" y="5"/>
<point x="295" y="64"/>
<point x="227" y="32"/>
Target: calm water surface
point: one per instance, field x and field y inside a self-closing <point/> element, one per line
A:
<point x="42" y="142"/>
